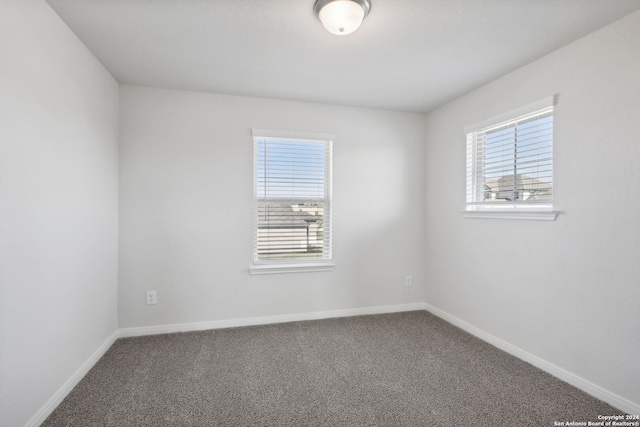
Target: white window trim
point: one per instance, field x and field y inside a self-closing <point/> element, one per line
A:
<point x="287" y="134"/>
<point x="512" y="211"/>
<point x="292" y="266"/>
<point x="519" y="214"/>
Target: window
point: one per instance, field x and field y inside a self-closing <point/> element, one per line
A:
<point x="292" y="202"/>
<point x="510" y="164"/>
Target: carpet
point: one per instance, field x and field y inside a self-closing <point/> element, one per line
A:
<point x="401" y="369"/>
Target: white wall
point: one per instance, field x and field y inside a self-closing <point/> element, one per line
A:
<point x="186" y="169"/>
<point x="58" y="207"/>
<point x="566" y="291"/>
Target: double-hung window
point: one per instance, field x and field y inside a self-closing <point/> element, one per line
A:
<point x="510" y="164"/>
<point x="292" y="202"/>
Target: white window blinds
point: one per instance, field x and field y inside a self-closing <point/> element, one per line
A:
<point x="292" y="196"/>
<point x="510" y="162"/>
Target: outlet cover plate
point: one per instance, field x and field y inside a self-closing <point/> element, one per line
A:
<point x="151" y="297"/>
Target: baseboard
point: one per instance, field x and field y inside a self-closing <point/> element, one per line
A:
<point x="576" y="381"/>
<point x="266" y="320"/>
<point x="46" y="410"/>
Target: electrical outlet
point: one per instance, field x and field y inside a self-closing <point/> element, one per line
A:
<point x="408" y="281"/>
<point x="151" y="297"/>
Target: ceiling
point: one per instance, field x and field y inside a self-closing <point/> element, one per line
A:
<point x="408" y="55"/>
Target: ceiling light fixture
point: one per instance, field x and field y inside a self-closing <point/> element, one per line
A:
<point x="341" y="17"/>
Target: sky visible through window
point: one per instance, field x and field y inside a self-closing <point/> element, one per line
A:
<point x="527" y="146"/>
<point x="290" y="169"/>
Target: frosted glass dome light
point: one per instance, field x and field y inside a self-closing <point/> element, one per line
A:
<point x="342" y="17"/>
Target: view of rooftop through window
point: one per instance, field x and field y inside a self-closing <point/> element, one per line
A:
<point x="292" y="199"/>
<point x="518" y="160"/>
<point x="512" y="162"/>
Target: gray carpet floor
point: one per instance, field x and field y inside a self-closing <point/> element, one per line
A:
<point x="402" y="369"/>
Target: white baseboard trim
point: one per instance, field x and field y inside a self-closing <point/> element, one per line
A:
<point x="51" y="404"/>
<point x="576" y="381"/>
<point x="266" y="320"/>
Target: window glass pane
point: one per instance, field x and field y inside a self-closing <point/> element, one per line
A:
<point x="292" y="193"/>
<point x="512" y="162"/>
<point x="290" y="169"/>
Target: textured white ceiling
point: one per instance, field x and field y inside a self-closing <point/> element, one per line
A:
<point x="408" y="55"/>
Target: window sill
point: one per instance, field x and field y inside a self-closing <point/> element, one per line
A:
<point x="290" y="268"/>
<point x="519" y="214"/>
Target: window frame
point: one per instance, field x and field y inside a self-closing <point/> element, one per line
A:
<point x="292" y="265"/>
<point x="505" y="210"/>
